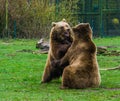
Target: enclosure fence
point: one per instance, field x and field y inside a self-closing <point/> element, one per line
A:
<point x="32" y="18"/>
<point x="103" y="15"/>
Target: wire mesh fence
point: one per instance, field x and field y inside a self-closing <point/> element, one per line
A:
<point x="103" y="15"/>
<point x="32" y="18"/>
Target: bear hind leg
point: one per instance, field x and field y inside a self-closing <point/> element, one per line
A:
<point x="66" y="78"/>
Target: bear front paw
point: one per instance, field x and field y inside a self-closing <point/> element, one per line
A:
<point x="55" y="63"/>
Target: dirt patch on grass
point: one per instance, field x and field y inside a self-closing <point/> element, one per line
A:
<point x="111" y="88"/>
<point x="5" y="43"/>
<point x="25" y="50"/>
<point x="33" y="51"/>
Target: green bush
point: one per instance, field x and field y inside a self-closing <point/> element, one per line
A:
<point x="33" y="19"/>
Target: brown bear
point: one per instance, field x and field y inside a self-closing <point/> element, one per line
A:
<point x="83" y="70"/>
<point x="60" y="41"/>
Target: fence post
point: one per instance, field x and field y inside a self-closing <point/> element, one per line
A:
<point x="101" y="18"/>
<point x="57" y="8"/>
<point x="14" y="29"/>
<point x="6" y="12"/>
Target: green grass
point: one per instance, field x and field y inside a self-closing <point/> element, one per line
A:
<point x="21" y="72"/>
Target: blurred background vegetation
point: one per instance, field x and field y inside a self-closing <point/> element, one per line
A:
<point x="32" y="18"/>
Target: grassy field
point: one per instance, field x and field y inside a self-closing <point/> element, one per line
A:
<point x="21" y="72"/>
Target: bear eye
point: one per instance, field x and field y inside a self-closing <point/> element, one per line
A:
<point x="61" y="27"/>
<point x="66" y="25"/>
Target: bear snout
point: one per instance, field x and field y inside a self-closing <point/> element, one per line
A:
<point x="67" y="33"/>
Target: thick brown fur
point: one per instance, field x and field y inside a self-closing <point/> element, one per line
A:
<point x="83" y="70"/>
<point x="60" y="41"/>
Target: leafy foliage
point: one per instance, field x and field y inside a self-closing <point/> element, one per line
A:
<point x="33" y="17"/>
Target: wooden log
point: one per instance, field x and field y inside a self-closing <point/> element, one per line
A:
<point x="115" y="68"/>
<point x="101" y="49"/>
<point x="43" y="45"/>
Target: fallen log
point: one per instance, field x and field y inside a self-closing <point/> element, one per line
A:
<point x="115" y="68"/>
<point x="43" y="45"/>
<point x="101" y="49"/>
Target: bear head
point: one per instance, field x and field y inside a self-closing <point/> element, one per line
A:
<point x="61" y="30"/>
<point x="82" y="31"/>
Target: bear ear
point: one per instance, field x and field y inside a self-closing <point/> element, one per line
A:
<point x="53" y="24"/>
<point x="74" y="28"/>
<point x="87" y="24"/>
<point x="63" y="20"/>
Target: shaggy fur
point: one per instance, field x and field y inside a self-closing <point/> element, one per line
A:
<point x="60" y="41"/>
<point x="83" y="70"/>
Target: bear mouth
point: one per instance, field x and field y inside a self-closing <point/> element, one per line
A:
<point x="67" y="34"/>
